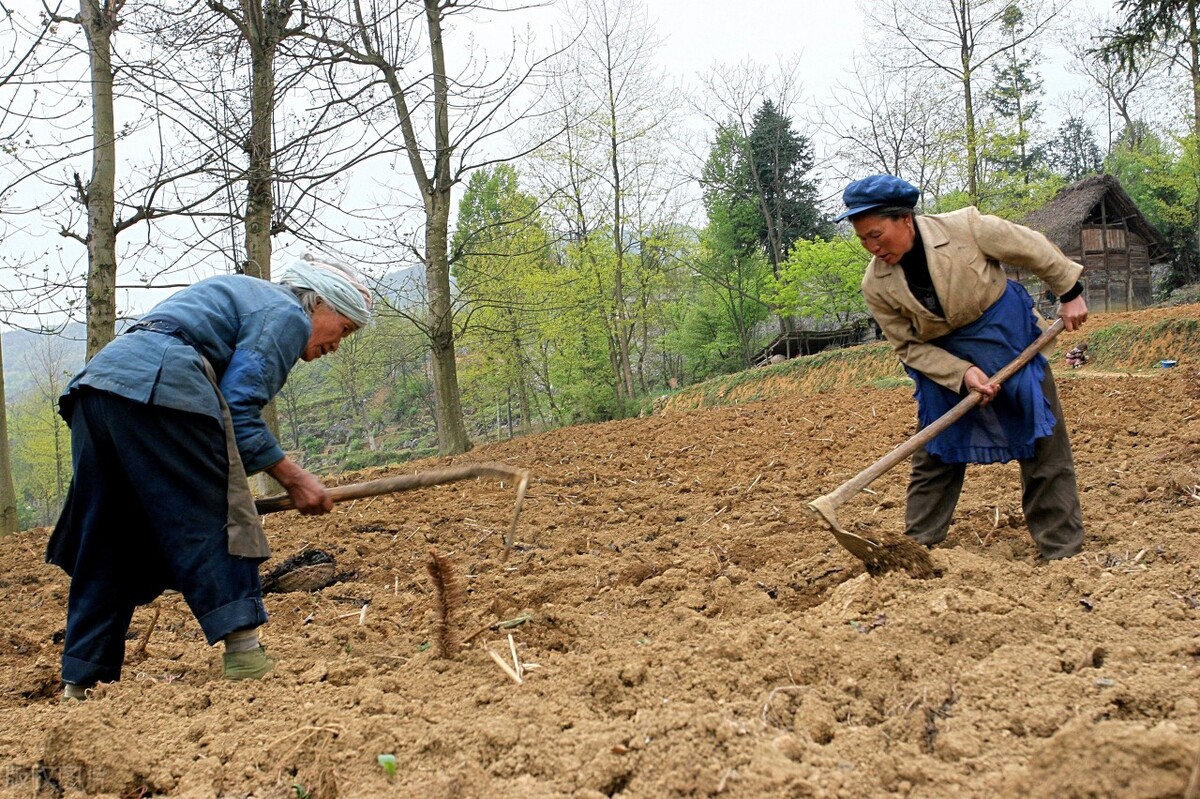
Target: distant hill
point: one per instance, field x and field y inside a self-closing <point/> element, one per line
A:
<point x="29" y="355"/>
<point x="404" y="287"/>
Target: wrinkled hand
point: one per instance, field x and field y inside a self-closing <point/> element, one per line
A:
<point x="310" y="496"/>
<point x="306" y="491"/>
<point x="1074" y="313"/>
<point x="975" y="380"/>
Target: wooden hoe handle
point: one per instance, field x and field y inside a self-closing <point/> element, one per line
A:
<point x="433" y="477"/>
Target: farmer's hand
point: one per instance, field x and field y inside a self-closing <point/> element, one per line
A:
<point x="306" y="491"/>
<point x="1074" y="313"/>
<point x="975" y="380"/>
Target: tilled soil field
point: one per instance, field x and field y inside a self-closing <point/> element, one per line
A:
<point x="683" y="627"/>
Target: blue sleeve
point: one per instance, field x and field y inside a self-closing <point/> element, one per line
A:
<point x="257" y="370"/>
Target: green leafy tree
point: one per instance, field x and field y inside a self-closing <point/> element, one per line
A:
<point x="1013" y="97"/>
<point x="1073" y="152"/>
<point x="1152" y="29"/>
<point x="41" y="442"/>
<point x="574" y="356"/>
<point x="781" y="161"/>
<point x="1014" y="176"/>
<point x="706" y="333"/>
<point x="41" y="459"/>
<point x="959" y="38"/>
<point x="500" y="249"/>
<point x="721" y="318"/>
<point x="821" y="281"/>
<point x="1160" y="176"/>
<point x="731" y="262"/>
<point x="729" y="196"/>
<point x="610" y="186"/>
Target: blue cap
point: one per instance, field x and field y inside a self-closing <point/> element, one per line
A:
<point x="878" y="191"/>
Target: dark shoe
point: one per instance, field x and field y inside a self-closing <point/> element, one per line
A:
<point x="252" y="665"/>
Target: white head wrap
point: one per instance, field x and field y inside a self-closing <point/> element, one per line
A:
<point x="335" y="282"/>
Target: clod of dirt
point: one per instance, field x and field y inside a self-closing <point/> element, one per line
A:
<point x="900" y="552"/>
<point x="309" y="570"/>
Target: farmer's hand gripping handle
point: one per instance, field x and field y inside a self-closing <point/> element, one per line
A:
<point x="827" y="504"/>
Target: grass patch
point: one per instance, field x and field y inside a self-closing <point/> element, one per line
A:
<point x="1135" y="341"/>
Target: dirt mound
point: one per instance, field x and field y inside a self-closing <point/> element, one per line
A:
<point x="682" y="626"/>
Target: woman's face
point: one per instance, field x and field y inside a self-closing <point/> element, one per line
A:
<point x="885" y="237"/>
<point x="328" y="329"/>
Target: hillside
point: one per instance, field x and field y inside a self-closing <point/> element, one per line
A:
<point x="29" y="357"/>
<point x="687" y="628"/>
<point x="1134" y="343"/>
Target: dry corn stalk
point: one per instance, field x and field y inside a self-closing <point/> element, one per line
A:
<point x="448" y="600"/>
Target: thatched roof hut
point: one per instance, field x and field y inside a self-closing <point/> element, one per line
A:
<point x="1096" y="223"/>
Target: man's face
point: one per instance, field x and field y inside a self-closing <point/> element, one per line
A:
<point x="328" y="329"/>
<point x="886" y="238"/>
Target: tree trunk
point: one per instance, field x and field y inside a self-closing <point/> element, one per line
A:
<point x="9" y="518"/>
<point x="522" y="369"/>
<point x="260" y="201"/>
<point x="622" y="323"/>
<point x="972" y="144"/>
<point x="266" y="21"/>
<point x="98" y="22"/>
<point x="1194" y="65"/>
<point x="452" y="431"/>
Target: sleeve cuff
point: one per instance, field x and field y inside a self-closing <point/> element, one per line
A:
<point x="1072" y="293"/>
<point x="259" y="462"/>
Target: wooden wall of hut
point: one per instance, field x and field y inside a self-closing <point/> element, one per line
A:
<point x="1116" y="271"/>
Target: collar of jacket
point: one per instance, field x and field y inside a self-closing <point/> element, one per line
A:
<point x="892" y="281"/>
<point x="932" y="236"/>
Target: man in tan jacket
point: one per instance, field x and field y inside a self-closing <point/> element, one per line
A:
<point x="938" y="290"/>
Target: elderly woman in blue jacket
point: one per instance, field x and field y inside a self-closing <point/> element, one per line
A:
<point x="165" y="425"/>
<point x="937" y="288"/>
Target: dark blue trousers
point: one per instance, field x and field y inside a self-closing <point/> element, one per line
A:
<point x="146" y="511"/>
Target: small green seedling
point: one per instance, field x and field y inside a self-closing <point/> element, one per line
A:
<point x="388" y="762"/>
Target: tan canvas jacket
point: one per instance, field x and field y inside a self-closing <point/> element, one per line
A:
<point x="965" y="249"/>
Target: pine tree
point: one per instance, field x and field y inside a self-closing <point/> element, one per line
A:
<point x="781" y="160"/>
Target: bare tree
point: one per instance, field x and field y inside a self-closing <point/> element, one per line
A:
<point x="957" y="38"/>
<point x="1127" y="88"/>
<point x="899" y="122"/>
<point x="99" y="19"/>
<point x="446" y="122"/>
<point x="19" y="48"/>
<point x="262" y="25"/>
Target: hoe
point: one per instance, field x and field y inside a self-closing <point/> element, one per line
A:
<point x="882" y="556"/>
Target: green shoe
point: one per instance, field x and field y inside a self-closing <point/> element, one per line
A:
<point x="252" y="665"/>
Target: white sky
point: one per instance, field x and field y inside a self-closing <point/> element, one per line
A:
<point x="698" y="33"/>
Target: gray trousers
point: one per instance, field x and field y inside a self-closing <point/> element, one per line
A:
<point x="1049" y="497"/>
